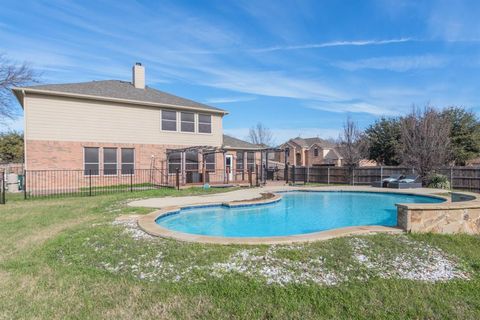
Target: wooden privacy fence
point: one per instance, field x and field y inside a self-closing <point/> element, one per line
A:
<point x="461" y="178"/>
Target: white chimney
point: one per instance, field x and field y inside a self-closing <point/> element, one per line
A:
<point x="138" y="72"/>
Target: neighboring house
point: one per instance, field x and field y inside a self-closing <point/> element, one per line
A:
<point x="309" y="152"/>
<point x="115" y="127"/>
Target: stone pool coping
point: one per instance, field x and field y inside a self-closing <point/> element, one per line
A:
<point x="148" y="222"/>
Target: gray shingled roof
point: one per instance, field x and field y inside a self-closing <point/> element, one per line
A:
<point x="307" y="142"/>
<point x="234" y="143"/>
<point x="122" y="90"/>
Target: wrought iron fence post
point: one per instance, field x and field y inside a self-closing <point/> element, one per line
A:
<point x="256" y="175"/>
<point x="90" y="182"/>
<point x="250" y="180"/>
<point x="353" y="176"/>
<point x="305" y="179"/>
<point x="131" y="179"/>
<point x="293" y="174"/>
<point x="286" y="174"/>
<point x="2" y="188"/>
<point x="328" y="175"/>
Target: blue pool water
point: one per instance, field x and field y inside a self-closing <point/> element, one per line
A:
<point x="296" y="213"/>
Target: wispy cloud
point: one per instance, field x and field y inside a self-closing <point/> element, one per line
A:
<point x="354" y="106"/>
<point x="230" y="99"/>
<point x="395" y="63"/>
<point x="333" y="44"/>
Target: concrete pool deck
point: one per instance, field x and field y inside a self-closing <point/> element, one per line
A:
<point x="251" y="196"/>
<point x="254" y="193"/>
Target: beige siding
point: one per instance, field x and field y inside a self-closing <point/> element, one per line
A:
<point x="68" y="119"/>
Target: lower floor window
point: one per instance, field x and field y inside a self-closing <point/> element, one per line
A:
<point x="90" y="161"/>
<point x="128" y="160"/>
<point x="109" y="161"/>
<point x="174" y="162"/>
<point x="210" y="162"/>
<point x="251" y="161"/>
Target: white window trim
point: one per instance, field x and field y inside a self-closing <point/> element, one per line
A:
<point x="103" y="162"/>
<point x="121" y="162"/>
<point x="177" y="122"/>
<point x="211" y="124"/>
<point x="195" y="120"/>
<point x="84" y="163"/>
<point x="214" y="163"/>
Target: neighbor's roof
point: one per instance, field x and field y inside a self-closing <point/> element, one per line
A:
<point x="234" y="143"/>
<point x="118" y="90"/>
<point x="308" y="142"/>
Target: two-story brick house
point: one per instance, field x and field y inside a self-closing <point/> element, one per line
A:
<point x="115" y="127"/>
<point x="309" y="152"/>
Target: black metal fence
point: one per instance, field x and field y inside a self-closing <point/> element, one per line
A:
<point x="54" y="183"/>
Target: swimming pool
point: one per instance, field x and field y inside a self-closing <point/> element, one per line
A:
<point x="296" y="213"/>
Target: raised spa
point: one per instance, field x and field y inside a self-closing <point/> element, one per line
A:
<point x="296" y="213"/>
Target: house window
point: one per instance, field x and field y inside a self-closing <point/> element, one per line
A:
<point x="240" y="160"/>
<point x="251" y="160"/>
<point x="109" y="161"/>
<point x="204" y="123"/>
<point x="169" y="120"/>
<point x="191" y="160"/>
<point x="187" y="122"/>
<point x="90" y="160"/>
<point x="315" y="152"/>
<point x="287" y="152"/>
<point x="210" y="161"/>
<point x="174" y="162"/>
<point x="128" y="160"/>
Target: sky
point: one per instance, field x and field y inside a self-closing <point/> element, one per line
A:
<point x="299" y="67"/>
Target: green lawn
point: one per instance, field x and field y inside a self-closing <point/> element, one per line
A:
<point x="66" y="258"/>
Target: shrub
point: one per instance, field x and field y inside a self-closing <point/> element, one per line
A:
<point x="438" y="181"/>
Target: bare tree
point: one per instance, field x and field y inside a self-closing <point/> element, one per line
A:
<point x="260" y="134"/>
<point x="425" y="140"/>
<point x="12" y="75"/>
<point x="351" y="144"/>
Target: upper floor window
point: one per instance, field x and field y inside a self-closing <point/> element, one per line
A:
<point x="109" y="161"/>
<point x="128" y="160"/>
<point x="187" y="122"/>
<point x="315" y="152"/>
<point x="90" y="160"/>
<point x="204" y="123"/>
<point x="169" y="120"/>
